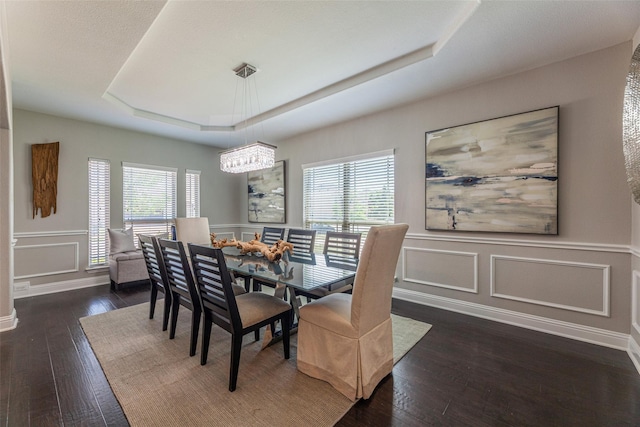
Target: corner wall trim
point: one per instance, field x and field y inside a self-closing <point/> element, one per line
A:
<point x="9" y="322"/>
<point x="633" y="350"/>
<point x="635" y="295"/>
<point x="574" y="331"/>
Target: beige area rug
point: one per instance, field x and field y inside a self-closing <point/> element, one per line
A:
<point x="157" y="383"/>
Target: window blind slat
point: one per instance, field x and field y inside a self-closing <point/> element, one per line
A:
<point x="192" y="194"/>
<point x="148" y="198"/>
<point x="350" y="196"/>
<point x="99" y="214"/>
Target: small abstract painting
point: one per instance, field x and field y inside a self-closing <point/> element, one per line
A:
<point x="499" y="175"/>
<point x="267" y="195"/>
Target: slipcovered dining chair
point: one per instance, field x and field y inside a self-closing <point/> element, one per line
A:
<point x="346" y="339"/>
<point x="193" y="230"/>
<point x="153" y="259"/>
<point x="238" y="315"/>
<point x="179" y="279"/>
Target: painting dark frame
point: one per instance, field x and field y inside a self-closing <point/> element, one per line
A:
<point x="498" y="175"/>
<point x="267" y="195"/>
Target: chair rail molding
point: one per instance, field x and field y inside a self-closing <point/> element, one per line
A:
<point x="578" y="246"/>
<point x="55" y="233"/>
<point x="561" y="328"/>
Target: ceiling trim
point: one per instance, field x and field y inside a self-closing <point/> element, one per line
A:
<point x="418" y="55"/>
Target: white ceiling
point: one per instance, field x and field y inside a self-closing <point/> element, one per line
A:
<point x="167" y="67"/>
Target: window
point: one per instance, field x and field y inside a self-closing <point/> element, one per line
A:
<point x="99" y="191"/>
<point x="148" y="198"/>
<point x="349" y="195"/>
<point x="193" y="194"/>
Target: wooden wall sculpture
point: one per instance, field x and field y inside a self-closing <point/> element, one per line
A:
<point x="44" y="176"/>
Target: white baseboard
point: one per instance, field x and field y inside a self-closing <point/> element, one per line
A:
<point x="22" y="291"/>
<point x="575" y="331"/>
<point x="9" y="322"/>
<point x="634" y="352"/>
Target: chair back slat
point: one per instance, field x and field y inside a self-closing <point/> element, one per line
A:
<point x="214" y="285"/>
<point x="270" y="235"/>
<point x="148" y="246"/>
<point x="178" y="270"/>
<point x="302" y="240"/>
<point x="346" y="245"/>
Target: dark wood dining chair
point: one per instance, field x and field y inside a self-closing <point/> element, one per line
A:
<point x="303" y="240"/>
<point x="153" y="259"/>
<point x="270" y="235"/>
<point x="183" y="289"/>
<point x="237" y="314"/>
<point x="341" y="250"/>
<point x="342" y="244"/>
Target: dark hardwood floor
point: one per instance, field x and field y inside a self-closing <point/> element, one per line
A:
<point x="465" y="372"/>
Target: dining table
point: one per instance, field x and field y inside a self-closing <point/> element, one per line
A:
<point x="310" y="275"/>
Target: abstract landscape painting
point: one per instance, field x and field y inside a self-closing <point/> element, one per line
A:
<point x="267" y="196"/>
<point x="498" y="175"/>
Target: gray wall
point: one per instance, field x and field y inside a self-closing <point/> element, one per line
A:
<point x="59" y="242"/>
<point x="581" y="276"/>
<point x="634" y="341"/>
<point x="575" y="284"/>
<point x="7" y="312"/>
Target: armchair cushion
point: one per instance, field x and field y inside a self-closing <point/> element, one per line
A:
<point x="121" y="241"/>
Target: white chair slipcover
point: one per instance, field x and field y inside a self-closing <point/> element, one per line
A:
<point x="346" y="339"/>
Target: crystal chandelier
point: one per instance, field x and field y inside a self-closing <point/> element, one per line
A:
<point x="249" y="157"/>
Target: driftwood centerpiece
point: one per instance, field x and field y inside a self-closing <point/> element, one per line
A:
<point x="272" y="253"/>
<point x="44" y="177"/>
<point x="221" y="243"/>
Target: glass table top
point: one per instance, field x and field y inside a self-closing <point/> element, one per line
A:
<point x="300" y="271"/>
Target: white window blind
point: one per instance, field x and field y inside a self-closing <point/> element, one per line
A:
<point x="349" y="196"/>
<point x="99" y="194"/>
<point x="192" y="194"/>
<point x="148" y="198"/>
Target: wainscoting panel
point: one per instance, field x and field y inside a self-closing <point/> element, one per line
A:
<point x="567" y="285"/>
<point x="440" y="268"/>
<point x="45" y="259"/>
